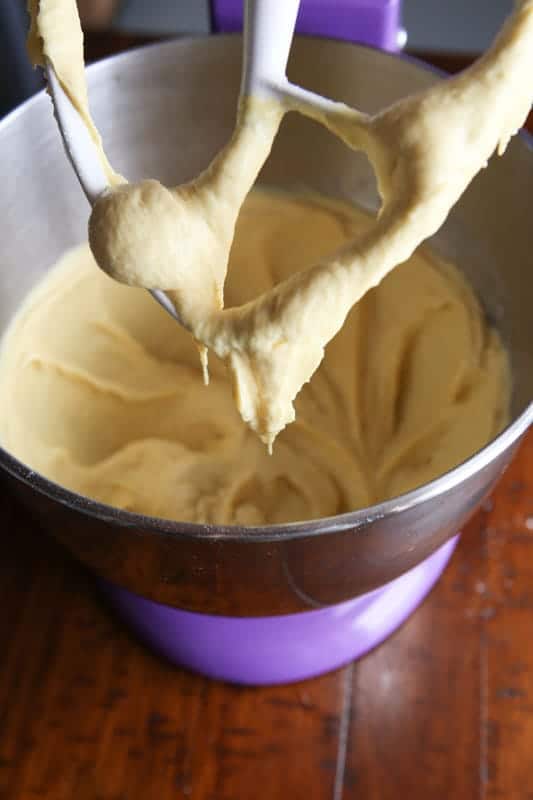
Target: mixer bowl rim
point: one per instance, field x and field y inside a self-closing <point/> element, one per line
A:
<point x="356" y="520"/>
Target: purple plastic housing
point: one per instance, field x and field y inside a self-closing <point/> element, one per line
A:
<point x="372" y="22"/>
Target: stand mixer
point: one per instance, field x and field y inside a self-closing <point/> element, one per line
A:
<point x="285" y="602"/>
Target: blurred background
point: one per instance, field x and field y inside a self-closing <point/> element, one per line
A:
<point x="451" y="25"/>
<point x="447" y="26"/>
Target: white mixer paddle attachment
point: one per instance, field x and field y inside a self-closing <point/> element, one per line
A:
<point x="268" y="32"/>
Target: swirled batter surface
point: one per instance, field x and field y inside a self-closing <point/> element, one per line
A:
<point x="101" y="391"/>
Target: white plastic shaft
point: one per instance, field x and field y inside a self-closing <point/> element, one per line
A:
<point x="268" y="32"/>
<point x="79" y="146"/>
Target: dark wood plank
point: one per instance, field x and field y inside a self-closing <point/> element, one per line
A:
<point x="277" y="742"/>
<point x="416" y="701"/>
<point x="445" y="708"/>
<point x="508" y="701"/>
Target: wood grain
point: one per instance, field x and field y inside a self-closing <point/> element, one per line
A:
<point x="444" y="709"/>
<point x="416" y="708"/>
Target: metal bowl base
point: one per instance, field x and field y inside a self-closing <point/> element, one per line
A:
<point x="282" y="649"/>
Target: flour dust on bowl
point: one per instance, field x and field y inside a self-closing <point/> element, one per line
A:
<point x="278" y="602"/>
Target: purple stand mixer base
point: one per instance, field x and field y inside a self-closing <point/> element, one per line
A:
<point x="282" y="649"/>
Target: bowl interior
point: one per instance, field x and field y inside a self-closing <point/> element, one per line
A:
<point x="165" y="110"/>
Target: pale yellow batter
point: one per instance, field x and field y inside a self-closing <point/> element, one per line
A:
<point x="425" y="149"/>
<point x="105" y="395"/>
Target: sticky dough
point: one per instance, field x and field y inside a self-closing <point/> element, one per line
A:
<point x="105" y="393"/>
<point x="425" y="149"/>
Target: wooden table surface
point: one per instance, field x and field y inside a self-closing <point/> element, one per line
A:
<point x="442" y="710"/>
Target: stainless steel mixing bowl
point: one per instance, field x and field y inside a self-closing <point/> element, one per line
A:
<point x="164" y="111"/>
